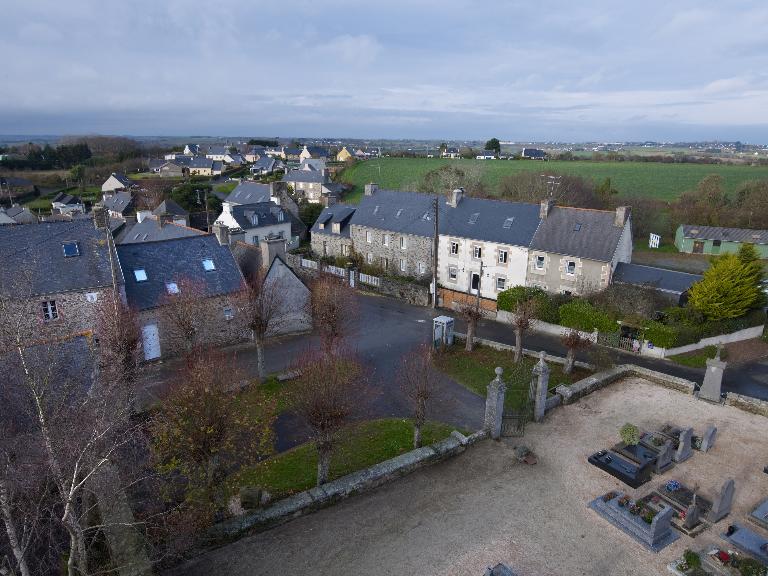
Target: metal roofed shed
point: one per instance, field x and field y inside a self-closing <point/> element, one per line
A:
<point x="716" y="240"/>
<point x="671" y="282"/>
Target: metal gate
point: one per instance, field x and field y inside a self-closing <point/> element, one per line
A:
<point x="615" y="340"/>
<point x="518" y="406"/>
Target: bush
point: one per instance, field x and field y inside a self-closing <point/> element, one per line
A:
<point x="661" y="335"/>
<point x="581" y="315"/>
<point x="546" y="305"/>
<point x="691" y="559"/>
<point x="750" y="567"/>
<point x="686" y="326"/>
<point x="630" y="434"/>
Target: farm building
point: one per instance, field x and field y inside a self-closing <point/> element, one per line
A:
<point x="716" y="240"/>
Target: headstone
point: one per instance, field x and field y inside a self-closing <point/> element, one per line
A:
<point x="661" y="526"/>
<point x="708" y="439"/>
<point x="692" y="514"/>
<point x="664" y="459"/>
<point x="494" y="405"/>
<point x="723" y="502"/>
<point x="713" y="379"/>
<point x="541" y="380"/>
<point x="684" y="449"/>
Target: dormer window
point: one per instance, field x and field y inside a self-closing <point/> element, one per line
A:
<point x="280" y="216"/>
<point x="255" y="220"/>
<point x="70" y="249"/>
<point x="208" y="265"/>
<point x="140" y="274"/>
<point x="172" y="287"/>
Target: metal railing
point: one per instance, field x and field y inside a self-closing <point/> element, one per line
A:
<point x="370" y="280"/>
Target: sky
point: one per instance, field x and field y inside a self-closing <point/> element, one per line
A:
<point x="426" y="69"/>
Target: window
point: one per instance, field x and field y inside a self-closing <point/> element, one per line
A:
<point x="577" y="227"/>
<point x="501" y="283"/>
<point x="369" y="258"/>
<point x="385" y="262"/>
<point x="454" y="248"/>
<point x="368" y="236"/>
<point x="229" y="313"/>
<point x="208" y="265"/>
<point x="345" y="250"/>
<point x="386" y="239"/>
<point x="508" y="223"/>
<point x="502" y="256"/>
<point x="402" y="265"/>
<point x="70" y="249"/>
<point x="255" y="220"/>
<point x="477" y="252"/>
<point x="255" y="239"/>
<point x="172" y="287"/>
<point x="422" y="268"/>
<point x="49" y="310"/>
<point x="716" y="242"/>
<point x="140" y="274"/>
<point x="453" y="273"/>
<point x="325" y="248"/>
<point x="403" y="243"/>
<point x="280" y="216"/>
<point x="570" y="267"/>
<point x="540" y="262"/>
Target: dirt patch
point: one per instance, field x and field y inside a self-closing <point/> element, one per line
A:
<point x="747" y="351"/>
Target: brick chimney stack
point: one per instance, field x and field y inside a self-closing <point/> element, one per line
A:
<point x="456" y="195"/>
<point x="545" y="207"/>
<point x="622" y="213"/>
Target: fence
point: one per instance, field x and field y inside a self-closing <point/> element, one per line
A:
<point x="311" y="264"/>
<point x="370" y="280"/>
<point x="335" y="270"/>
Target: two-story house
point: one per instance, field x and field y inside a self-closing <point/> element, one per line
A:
<point x="313" y="152"/>
<point x="394" y="231"/>
<point x="483" y="246"/>
<point x="251" y="223"/>
<point x="330" y="234"/>
<point x="118" y="204"/>
<point x="307" y="183"/>
<point x="576" y="250"/>
<point x="64" y="203"/>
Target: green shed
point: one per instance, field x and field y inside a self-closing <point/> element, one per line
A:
<point x="717" y="240"/>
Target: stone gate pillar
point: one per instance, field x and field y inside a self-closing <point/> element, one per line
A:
<point x="494" y="405"/>
<point x="540" y="387"/>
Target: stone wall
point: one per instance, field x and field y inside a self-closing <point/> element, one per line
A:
<point x="747" y="404"/>
<point x="355" y="483"/>
<point x="418" y="250"/>
<point x="333" y="244"/>
<point x="408" y="291"/>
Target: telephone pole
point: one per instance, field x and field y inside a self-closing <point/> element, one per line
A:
<point x="435" y="244"/>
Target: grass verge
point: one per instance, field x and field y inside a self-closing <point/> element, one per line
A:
<point x="364" y="444"/>
<point x="698" y="358"/>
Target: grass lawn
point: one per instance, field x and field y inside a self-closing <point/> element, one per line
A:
<point x="476" y="369"/>
<point x="698" y="358"/>
<point x="226" y="188"/>
<point x="366" y="444"/>
<point x="650" y="179"/>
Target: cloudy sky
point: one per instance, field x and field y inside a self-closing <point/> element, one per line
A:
<point x="452" y="69"/>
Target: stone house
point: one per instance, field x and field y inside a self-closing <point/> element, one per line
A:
<point x="172" y="169"/>
<point x="157" y="272"/>
<point x="55" y="275"/>
<point x="247" y="192"/>
<point x="118" y="204"/>
<point x="483" y="245"/>
<point x="394" y="231"/>
<point x="307" y="183"/>
<point x="251" y="223"/>
<point x="330" y="234"/>
<point x="576" y="250"/>
<point x="115" y="182"/>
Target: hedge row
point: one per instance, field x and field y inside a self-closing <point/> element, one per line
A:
<point x="581" y="315"/>
<point x="679" y="330"/>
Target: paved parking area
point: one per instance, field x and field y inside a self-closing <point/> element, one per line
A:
<point x="458" y="517"/>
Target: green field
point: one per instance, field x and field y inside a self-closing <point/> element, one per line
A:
<point x="650" y="179"/>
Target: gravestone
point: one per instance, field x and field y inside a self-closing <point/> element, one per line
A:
<point x="684" y="449"/>
<point x="723" y="502"/>
<point x="692" y="514"/>
<point x="708" y="439"/>
<point x="541" y="381"/>
<point x="494" y="405"/>
<point x="713" y="379"/>
<point x="664" y="458"/>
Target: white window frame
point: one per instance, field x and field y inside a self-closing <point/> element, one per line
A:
<point x="422" y="268"/>
<point x="385" y="263"/>
<point x="568" y="264"/>
<point x="385" y="239"/>
<point x="477" y="252"/>
<point x="229" y="313"/>
<point x="369" y="258"/>
<point x="403" y="265"/>
<point x="403" y="243"/>
<point x="540" y="260"/>
<point x="50" y="310"/>
<point x="368" y="236"/>
<point x="503" y="280"/>
<point x="503" y="256"/>
<point x="453" y="273"/>
<point x="454" y="248"/>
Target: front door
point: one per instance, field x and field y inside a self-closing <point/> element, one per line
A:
<point x="475" y="284"/>
<point x="151" y="340"/>
<point x="698" y="247"/>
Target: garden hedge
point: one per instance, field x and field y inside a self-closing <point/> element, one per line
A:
<point x="581" y="315"/>
<point x="546" y="305"/>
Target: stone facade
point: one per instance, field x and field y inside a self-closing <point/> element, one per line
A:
<point x="400" y="254"/>
<point x="331" y="245"/>
<point x="566" y="274"/>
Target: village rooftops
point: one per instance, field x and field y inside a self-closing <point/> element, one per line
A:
<point x="512" y="223"/>
<point x="403" y="212"/>
<point x="336" y="214"/>
<point x="153" y="230"/>
<point x="249" y="193"/>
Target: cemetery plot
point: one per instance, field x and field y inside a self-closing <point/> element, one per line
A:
<point x="630" y="473"/>
<point x="689" y="507"/>
<point x="760" y="514"/>
<point x="748" y="541"/>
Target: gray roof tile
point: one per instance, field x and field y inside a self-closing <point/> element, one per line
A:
<point x="666" y="280"/>
<point x="489" y="223"/>
<point x="249" y="193"/>
<point x="266" y="213"/>
<point x="120" y="202"/>
<point x="725" y="234"/>
<point x="335" y="213"/>
<point x="150" y="230"/>
<point x="403" y="212"/>
<point x="579" y="232"/>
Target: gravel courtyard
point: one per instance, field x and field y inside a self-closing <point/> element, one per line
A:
<point x="481" y="508"/>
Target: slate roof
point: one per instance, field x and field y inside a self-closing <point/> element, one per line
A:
<point x="403" y="212"/>
<point x="169" y="207"/>
<point x="725" y="234"/>
<point x="333" y="188"/>
<point x="665" y="280"/>
<point x="122" y="178"/>
<point x="264" y="163"/>
<point x="218" y="150"/>
<point x="249" y="193"/>
<point x="305" y="176"/>
<point x="533" y="153"/>
<point x="595" y="239"/>
<point x="201" y="162"/>
<point x="34" y="255"/>
<point x="267" y="213"/>
<point x="150" y="230"/>
<point x="292" y="151"/>
<point x="14" y="211"/>
<point x="5" y="218"/>
<point x="317" y="151"/>
<point x="68" y="199"/>
<point x="313" y="163"/>
<point x="120" y="202"/>
<point x="334" y="213"/>
<point x="489" y="223"/>
<point x="217" y="166"/>
<point x="174" y="261"/>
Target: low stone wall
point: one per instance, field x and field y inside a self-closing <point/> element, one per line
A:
<point x="412" y="293"/>
<point x="747" y="404"/>
<point x="355" y="483"/>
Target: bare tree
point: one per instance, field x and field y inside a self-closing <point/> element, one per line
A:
<point x="333" y="309"/>
<point x="574" y="342"/>
<point x="328" y="391"/>
<point x="119" y="343"/>
<point x="186" y="311"/>
<point x="471" y="314"/>
<point x="264" y="306"/>
<point x="523" y="319"/>
<point x="420" y="382"/>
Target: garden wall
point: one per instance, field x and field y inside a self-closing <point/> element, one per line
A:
<point x="747" y="404"/>
<point x="355" y="483"/>
<point x="546" y="327"/>
<point x="649" y="349"/>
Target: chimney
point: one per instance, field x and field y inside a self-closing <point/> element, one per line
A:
<point x="100" y="217"/>
<point x="271" y="246"/>
<point x="371" y="189"/>
<point x="622" y="213"/>
<point x="141" y="215"/>
<point x="222" y="233"/>
<point x="545" y="207"/>
<point x="456" y="195"/>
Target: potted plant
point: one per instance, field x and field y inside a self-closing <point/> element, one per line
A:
<point x="630" y="434"/>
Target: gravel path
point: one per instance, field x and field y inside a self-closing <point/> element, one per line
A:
<point x="480" y="508"/>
